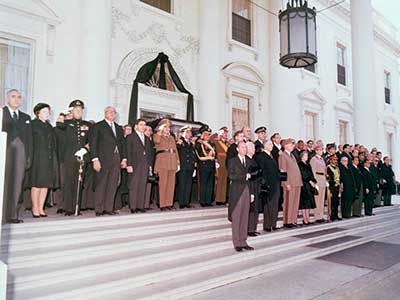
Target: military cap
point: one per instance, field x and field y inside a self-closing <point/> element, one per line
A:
<point x="205" y="128"/>
<point x="261" y="129"/>
<point x="184" y="128"/>
<point x="76" y="103"/>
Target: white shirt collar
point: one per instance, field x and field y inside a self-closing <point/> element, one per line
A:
<point x="277" y="145"/>
<point x="12" y="111"/>
<point x="288" y="152"/>
<point x="109" y="122"/>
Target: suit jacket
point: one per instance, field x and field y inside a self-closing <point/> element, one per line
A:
<point x="275" y="152"/>
<point x="137" y="154"/>
<point x="259" y="146"/>
<point x="369" y="182"/>
<point x="319" y="170"/>
<point x="288" y="163"/>
<point x="231" y="153"/>
<point x="103" y="142"/>
<point x="358" y="178"/>
<point x="21" y="129"/>
<point x="237" y="181"/>
<point x="347" y="179"/>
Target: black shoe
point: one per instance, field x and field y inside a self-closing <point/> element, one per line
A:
<point x="15" y="221"/>
<point x="35" y="216"/>
<point x="163" y="209"/>
<point x="202" y="205"/>
<point x="276" y="228"/>
<point x="304" y="223"/>
<point x="238" y="249"/>
<point x="43" y="216"/>
<point x="68" y="213"/>
<point x="141" y="210"/>
<point x="248" y="247"/>
<point x="98" y="214"/>
<point x="189" y="206"/>
<point x="182" y="206"/>
<point x="60" y="211"/>
<point x="133" y="211"/>
<point x="252" y="234"/>
<point x="108" y="213"/>
<point x="268" y="230"/>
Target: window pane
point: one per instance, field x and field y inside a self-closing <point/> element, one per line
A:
<point x="241" y="8"/>
<point x="241" y="29"/>
<point x="15" y="69"/>
<point x="240" y="112"/>
<point x="340" y="51"/>
<point x="342" y="132"/>
<point x="164" y="5"/>
<point x="341" y="74"/>
<point x="309" y="123"/>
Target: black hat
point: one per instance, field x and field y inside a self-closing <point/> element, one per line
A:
<point x="76" y="103"/>
<point x="205" y="128"/>
<point x="260" y="129"/>
<point x="38" y="107"/>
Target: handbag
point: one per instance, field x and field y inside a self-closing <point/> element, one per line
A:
<point x="283" y="176"/>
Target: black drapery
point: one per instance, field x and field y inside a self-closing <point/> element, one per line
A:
<point x="144" y="75"/>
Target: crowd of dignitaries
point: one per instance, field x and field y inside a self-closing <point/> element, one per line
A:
<point x="103" y="166"/>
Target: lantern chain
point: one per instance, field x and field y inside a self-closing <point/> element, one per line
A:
<point x="272" y="13"/>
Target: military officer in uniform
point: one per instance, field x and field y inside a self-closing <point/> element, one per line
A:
<point x="261" y="138"/>
<point x="221" y="147"/>
<point x="187" y="159"/>
<point x="76" y="142"/>
<point x="206" y="156"/>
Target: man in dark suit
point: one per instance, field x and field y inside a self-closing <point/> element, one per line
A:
<point x="370" y="187"/>
<point x="238" y="137"/>
<point x="270" y="186"/>
<point x="276" y="140"/>
<point x="358" y="188"/>
<point x="76" y="138"/>
<point x="346" y="152"/>
<point x="107" y="146"/>
<point x="18" y="128"/>
<point x="139" y="161"/>
<point x="187" y="158"/>
<point x="239" y="197"/>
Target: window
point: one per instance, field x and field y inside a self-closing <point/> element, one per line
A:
<point x="309" y="124"/>
<point x="240" y="112"/>
<point x="241" y="21"/>
<point x="341" y="64"/>
<point x="311" y="68"/>
<point x="387" y="87"/>
<point x="15" y="69"/>
<point x="343" y="132"/>
<point x="164" y="5"/>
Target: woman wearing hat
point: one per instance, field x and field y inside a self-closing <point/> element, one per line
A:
<point x="319" y="169"/>
<point x="166" y="164"/>
<point x="43" y="174"/>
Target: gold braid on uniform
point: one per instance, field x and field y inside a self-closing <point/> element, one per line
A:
<point x="206" y="157"/>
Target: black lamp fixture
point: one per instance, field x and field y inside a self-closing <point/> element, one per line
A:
<point x="297" y="27"/>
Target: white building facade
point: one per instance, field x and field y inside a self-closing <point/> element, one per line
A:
<point x="226" y="53"/>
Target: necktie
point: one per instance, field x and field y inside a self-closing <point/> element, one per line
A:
<point x="113" y="129"/>
<point x="15" y="117"/>
<point x="244" y="162"/>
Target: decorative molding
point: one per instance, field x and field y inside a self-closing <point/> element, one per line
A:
<point x="156" y="32"/>
<point x="135" y="59"/>
<point x="243" y="71"/>
<point x="46" y="12"/>
<point x="345" y="106"/>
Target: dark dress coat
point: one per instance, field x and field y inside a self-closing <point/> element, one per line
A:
<point x="369" y="181"/>
<point x="237" y="181"/>
<point x="307" y="198"/>
<point x="347" y="179"/>
<point x="270" y="174"/>
<point x="389" y="188"/>
<point x="44" y="172"/>
<point x="231" y="153"/>
<point x="254" y="185"/>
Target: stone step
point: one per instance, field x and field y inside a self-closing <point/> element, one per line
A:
<point x="140" y="268"/>
<point x="82" y="251"/>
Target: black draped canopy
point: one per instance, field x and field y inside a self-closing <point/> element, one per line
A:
<point x="146" y="74"/>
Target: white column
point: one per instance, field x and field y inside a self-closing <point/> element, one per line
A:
<point x="95" y="50"/>
<point x="3" y="266"/>
<point x="211" y="100"/>
<point x="364" y="93"/>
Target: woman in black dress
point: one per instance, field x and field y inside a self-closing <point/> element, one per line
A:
<point x="307" y="199"/>
<point x="43" y="174"/>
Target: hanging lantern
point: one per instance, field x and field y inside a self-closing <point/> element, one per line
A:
<point x="297" y="27"/>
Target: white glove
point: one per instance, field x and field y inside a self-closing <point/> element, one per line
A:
<point x="194" y="173"/>
<point x="221" y="132"/>
<point x="80" y="153"/>
<point x="217" y="165"/>
<point x="178" y="169"/>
